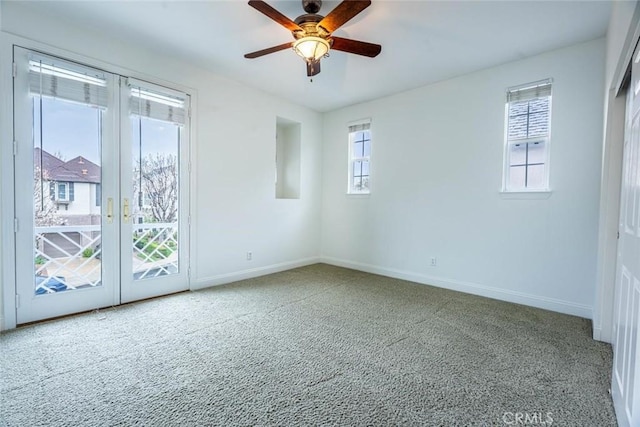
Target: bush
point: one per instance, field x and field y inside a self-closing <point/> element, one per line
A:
<point x="87" y="252"/>
<point x="165" y="251"/>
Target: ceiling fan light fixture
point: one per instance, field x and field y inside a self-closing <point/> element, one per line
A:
<point x="311" y="48"/>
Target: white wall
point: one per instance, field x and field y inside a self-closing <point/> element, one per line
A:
<point x="233" y="144"/>
<point x="621" y="20"/>
<point x="437" y="156"/>
<point x="83" y="200"/>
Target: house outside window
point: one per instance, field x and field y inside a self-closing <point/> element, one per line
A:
<point x="63" y="194"/>
<point x="359" y="157"/>
<point x="62" y="191"/>
<point x="528" y="130"/>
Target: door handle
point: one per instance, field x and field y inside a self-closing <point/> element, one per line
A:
<point x="109" y="210"/>
<point x="125" y="211"/>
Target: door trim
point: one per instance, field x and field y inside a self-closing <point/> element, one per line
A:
<point x="610" y="190"/>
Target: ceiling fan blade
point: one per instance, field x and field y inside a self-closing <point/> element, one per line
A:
<point x="313" y="68"/>
<point x="263" y="52"/>
<point x="263" y="7"/>
<point x="354" y="46"/>
<point x="342" y="13"/>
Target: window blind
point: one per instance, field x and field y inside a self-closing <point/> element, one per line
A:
<point x="166" y="105"/>
<point x="534" y="90"/>
<point x="57" y="78"/>
<point x="359" y="127"/>
<point x="529" y="119"/>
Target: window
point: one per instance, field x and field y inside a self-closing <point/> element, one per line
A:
<point x="528" y="123"/>
<point x="62" y="192"/>
<point x="359" y="157"/>
<point x="98" y="194"/>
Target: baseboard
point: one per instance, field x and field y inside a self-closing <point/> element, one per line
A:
<point x="551" y="304"/>
<point x="597" y="332"/>
<point x="223" y="279"/>
<point x="602" y="334"/>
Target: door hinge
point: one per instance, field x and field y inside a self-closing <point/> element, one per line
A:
<point x="189" y="220"/>
<point x="14" y="71"/>
<point x="15" y="225"/>
<point x="15" y="148"/>
<point x="618" y="236"/>
<point x="189" y="272"/>
<point x="17" y="301"/>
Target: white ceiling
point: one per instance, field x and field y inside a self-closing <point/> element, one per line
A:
<point x="422" y="41"/>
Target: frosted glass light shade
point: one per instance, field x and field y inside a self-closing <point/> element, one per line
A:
<point x="311" y="48"/>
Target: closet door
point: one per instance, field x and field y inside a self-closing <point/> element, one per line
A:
<point x="626" y="363"/>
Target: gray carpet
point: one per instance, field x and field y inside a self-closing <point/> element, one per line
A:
<point x="318" y="345"/>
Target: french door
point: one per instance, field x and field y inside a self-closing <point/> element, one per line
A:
<point x="626" y="362"/>
<point x="101" y="188"/>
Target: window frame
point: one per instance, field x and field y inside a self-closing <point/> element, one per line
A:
<point x="507" y="187"/>
<point x="60" y="184"/>
<point x="352" y="159"/>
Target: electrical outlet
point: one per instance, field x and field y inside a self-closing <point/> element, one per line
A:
<point x="434" y="261"/>
<point x="249" y="256"/>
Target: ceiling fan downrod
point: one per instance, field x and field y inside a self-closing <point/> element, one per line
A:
<point x="311" y="6"/>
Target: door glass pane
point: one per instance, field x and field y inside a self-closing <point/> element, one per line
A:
<point x="155" y="197"/>
<point x="67" y="141"/>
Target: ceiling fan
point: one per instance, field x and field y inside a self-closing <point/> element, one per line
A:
<point x="313" y="32"/>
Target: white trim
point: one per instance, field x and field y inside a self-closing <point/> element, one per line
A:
<point x="597" y="334"/>
<point x="610" y="184"/>
<point x="223" y="279"/>
<point x="525" y="194"/>
<point x="552" y="304"/>
<point x="7" y="253"/>
<point x="609" y="215"/>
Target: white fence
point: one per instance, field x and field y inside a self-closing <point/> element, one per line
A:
<point x="69" y="257"/>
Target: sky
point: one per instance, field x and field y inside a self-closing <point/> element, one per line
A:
<point x="72" y="130"/>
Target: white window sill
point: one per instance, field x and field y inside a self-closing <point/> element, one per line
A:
<point x="358" y="195"/>
<point x="525" y="195"/>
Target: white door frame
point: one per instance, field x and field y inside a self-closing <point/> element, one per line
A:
<point x="610" y="190"/>
<point x="7" y="237"/>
